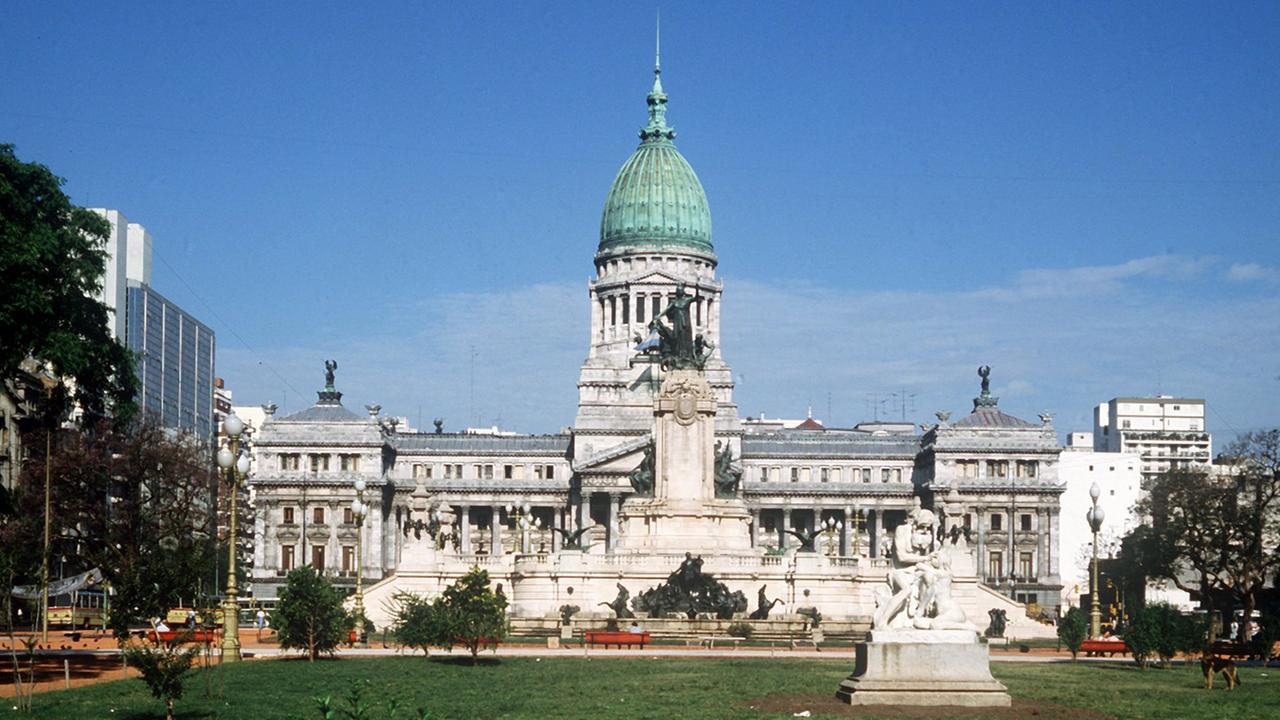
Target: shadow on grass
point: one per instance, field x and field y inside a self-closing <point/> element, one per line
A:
<point x="465" y="660"/>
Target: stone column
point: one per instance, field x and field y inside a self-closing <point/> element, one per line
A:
<point x="464" y="528"/>
<point x="979" y="516"/>
<point x="584" y="509"/>
<point x="755" y="526"/>
<point x="784" y="537"/>
<point x="555" y="523"/>
<point x="495" y="531"/>
<point x="846" y="532"/>
<point x="873" y="520"/>
<point x="1011" y="565"/>
<point x="1051" y="566"/>
<point x="615" y="507"/>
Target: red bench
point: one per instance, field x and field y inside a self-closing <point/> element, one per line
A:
<point x="617" y="638"/>
<point x="1095" y="648"/>
<point x="195" y="636"/>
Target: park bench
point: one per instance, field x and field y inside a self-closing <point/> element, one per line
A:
<point x="1095" y="648"/>
<point x="194" y="636"/>
<point x="617" y="638"/>
<point x="1227" y="648"/>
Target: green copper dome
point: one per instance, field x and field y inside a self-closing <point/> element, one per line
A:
<point x="656" y="199"/>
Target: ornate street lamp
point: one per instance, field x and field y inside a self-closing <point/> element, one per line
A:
<point x="1095" y="516"/>
<point x="237" y="466"/>
<point x="359" y="510"/>
<point x="855" y="526"/>
<point x="830" y="527"/>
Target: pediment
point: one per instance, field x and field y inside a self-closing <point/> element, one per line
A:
<point x="621" y="458"/>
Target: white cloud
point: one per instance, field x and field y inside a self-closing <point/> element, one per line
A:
<point x="1247" y="272"/>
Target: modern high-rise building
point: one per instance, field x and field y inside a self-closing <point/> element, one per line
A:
<point x="174" y="350"/>
<point x="174" y="359"/>
<point x="1168" y="433"/>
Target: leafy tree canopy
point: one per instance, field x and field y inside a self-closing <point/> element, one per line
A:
<point x="310" y="616"/>
<point x="1214" y="534"/>
<point x="52" y="259"/>
<point x="469" y="613"/>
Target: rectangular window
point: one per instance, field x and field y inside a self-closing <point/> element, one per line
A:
<point x="317" y="515"/>
<point x="448" y="471"/>
<point x="657" y="306"/>
<point x="508" y="472"/>
<point x="639" y="308"/>
<point x="288" y="516"/>
<point x="806" y="475"/>
<point x="968" y="521"/>
<point x="866" y="475"/>
<point x="349" y="462"/>
<point x="551" y="472"/>
<point x="348" y="517"/>
<point x="795" y="474"/>
<point x="1124" y="425"/>
<point x="537" y="472"/>
<point x="884" y="475"/>
<point x="995" y="565"/>
<point x="1025" y="571"/>
<point x="423" y="471"/>
<point x="997" y="468"/>
<point x="997" y="521"/>
<point x="286" y="557"/>
<point x="1025" y="521"/>
<point x="967" y="468"/>
<point x="317" y="557"/>
<point x="476" y="471"/>
<point x="764" y="474"/>
<point x="626" y="309"/>
<point x="290" y="461"/>
<point x="457" y="471"/>
<point x="897" y="475"/>
<point x="488" y="472"/>
<point x="348" y="558"/>
<point x="319" y="463"/>
<point x="824" y="475"/>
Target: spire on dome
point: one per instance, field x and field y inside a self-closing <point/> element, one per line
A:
<point x="657" y="129"/>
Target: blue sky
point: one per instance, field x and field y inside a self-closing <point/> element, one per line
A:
<point x="1085" y="196"/>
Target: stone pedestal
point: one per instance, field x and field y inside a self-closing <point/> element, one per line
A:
<point x="684" y="514"/>
<point x="923" y="667"/>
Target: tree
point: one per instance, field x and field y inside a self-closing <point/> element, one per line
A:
<point x="52" y="260"/>
<point x="468" y="613"/>
<point x="133" y="503"/>
<point x="1072" y="630"/>
<point x="163" y="667"/>
<point x="310" y="616"/>
<point x="1215" y="534"/>
<point x="1161" y="631"/>
<point x="416" y="624"/>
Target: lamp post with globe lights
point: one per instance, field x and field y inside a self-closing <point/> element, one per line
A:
<point x="1095" y="515"/>
<point x="520" y="519"/>
<point x="359" y="510"/>
<point x="831" y="527"/>
<point x="237" y="466"/>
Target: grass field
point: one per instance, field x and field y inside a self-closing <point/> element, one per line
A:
<point x="646" y="688"/>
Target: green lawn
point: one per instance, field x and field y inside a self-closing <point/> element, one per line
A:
<point x="637" y="688"/>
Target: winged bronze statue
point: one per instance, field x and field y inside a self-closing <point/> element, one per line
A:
<point x="572" y="538"/>
<point x="806" y="538"/>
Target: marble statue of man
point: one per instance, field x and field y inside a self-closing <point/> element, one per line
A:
<point x="915" y="571"/>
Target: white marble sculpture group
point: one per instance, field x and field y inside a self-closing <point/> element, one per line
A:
<point x="918" y="594"/>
